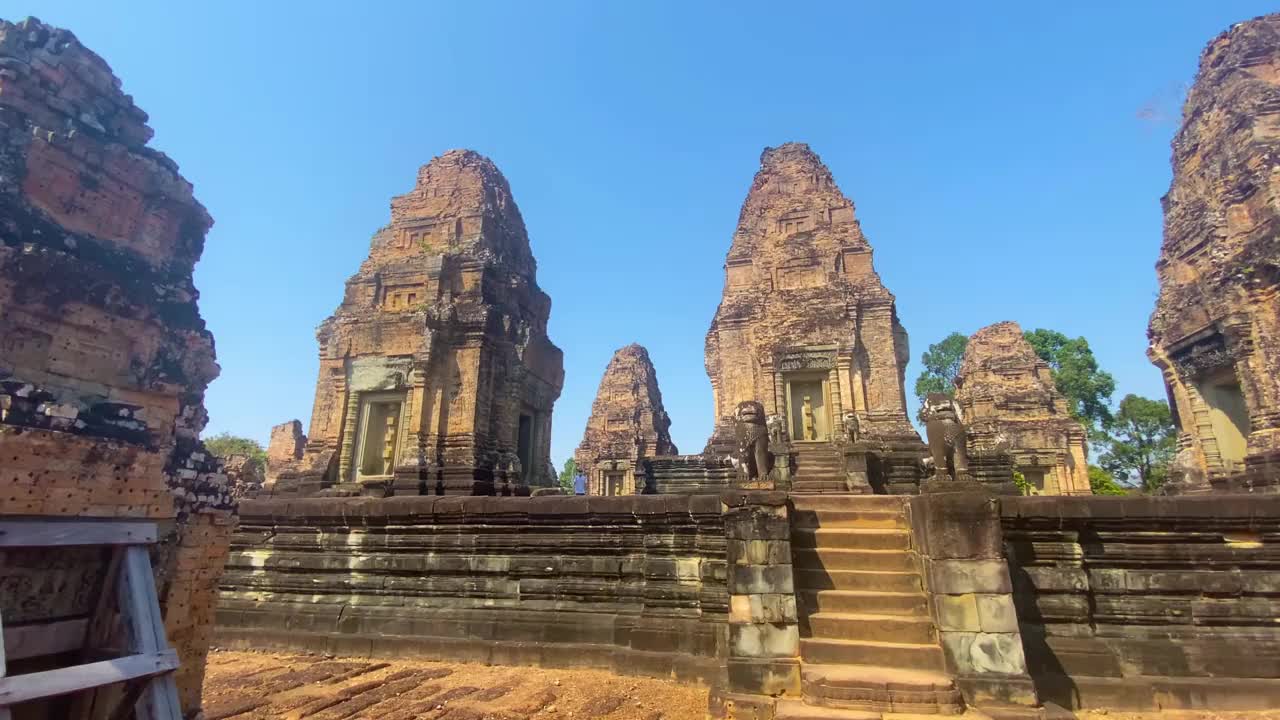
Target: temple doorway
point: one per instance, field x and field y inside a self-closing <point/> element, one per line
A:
<point x="1228" y="416"/>
<point x="379" y="440"/>
<point x="613" y="483"/>
<point x="807" y="408"/>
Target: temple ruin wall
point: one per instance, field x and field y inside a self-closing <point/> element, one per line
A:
<point x="1138" y="603"/>
<point x="635" y="584"/>
<point x="1148" y="602"/>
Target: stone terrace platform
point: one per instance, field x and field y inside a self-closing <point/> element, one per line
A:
<point x="789" y="606"/>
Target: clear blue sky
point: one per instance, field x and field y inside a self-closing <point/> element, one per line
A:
<point x="1006" y="159"/>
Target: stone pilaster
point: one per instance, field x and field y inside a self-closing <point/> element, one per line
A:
<point x="764" y="634"/>
<point x="970" y="595"/>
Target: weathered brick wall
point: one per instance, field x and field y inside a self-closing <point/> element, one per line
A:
<point x="104" y="358"/>
<point x="189" y="594"/>
<point x="1148" y="602"/>
<point x="634" y="584"/>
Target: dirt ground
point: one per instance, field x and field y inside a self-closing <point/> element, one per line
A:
<point x="270" y="686"/>
<point x="274" y="686"/>
<point x="1173" y="715"/>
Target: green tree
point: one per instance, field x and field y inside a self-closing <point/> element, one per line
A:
<point x="567" y="475"/>
<point x="224" y="445"/>
<point x="941" y="365"/>
<point x="1077" y="376"/>
<point x="1102" y="483"/>
<point x="1021" y="482"/>
<point x="1142" y="443"/>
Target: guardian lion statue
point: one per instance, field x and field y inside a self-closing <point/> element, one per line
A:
<point x="944" y="426"/>
<point x="753" y="440"/>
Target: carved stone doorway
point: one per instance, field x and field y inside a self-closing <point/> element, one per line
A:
<point x="808" y="415"/>
<point x="378" y="444"/>
<point x="1228" y="416"/>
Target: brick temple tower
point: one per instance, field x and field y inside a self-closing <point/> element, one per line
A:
<point x="436" y="372"/>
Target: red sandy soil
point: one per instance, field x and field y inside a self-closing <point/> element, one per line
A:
<point x="274" y="686"/>
<point x="262" y="686"/>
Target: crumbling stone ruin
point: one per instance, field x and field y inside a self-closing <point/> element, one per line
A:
<point x="436" y="372"/>
<point x="805" y="326"/>
<point x="104" y="358"/>
<point x="284" y="450"/>
<point x="1215" y="332"/>
<point x="627" y="426"/>
<point x="1010" y="404"/>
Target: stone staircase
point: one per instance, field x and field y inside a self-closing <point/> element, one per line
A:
<point x="819" y="469"/>
<point x="868" y="645"/>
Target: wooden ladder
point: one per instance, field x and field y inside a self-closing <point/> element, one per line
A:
<point x="147" y="664"/>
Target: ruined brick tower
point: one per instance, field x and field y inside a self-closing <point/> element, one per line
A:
<point x="805" y="325"/>
<point x="436" y="373"/>
<point x="104" y="357"/>
<point x="628" y="424"/>
<point x="1215" y="332"/>
<point x="1008" y="396"/>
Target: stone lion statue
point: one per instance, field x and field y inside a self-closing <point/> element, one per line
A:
<point x="944" y="426"/>
<point x="753" y="439"/>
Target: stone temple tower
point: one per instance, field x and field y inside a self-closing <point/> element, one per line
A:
<point x="1215" y="331"/>
<point x="805" y="326"/>
<point x="436" y="372"/>
<point x="628" y="424"/>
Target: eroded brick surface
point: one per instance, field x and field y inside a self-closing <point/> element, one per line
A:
<point x="104" y="358"/>
<point x="1215" y="332"/>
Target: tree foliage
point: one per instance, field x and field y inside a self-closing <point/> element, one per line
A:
<point x="567" y="476"/>
<point x="1077" y="376"/>
<point x="1021" y="482"/>
<point x="224" y="445"/>
<point x="941" y="365"/>
<point x="1102" y="483"/>
<point x="1141" y="444"/>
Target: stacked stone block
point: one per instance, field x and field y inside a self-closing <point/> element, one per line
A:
<point x="764" y="635"/>
<point x="635" y="584"/>
<point x="1148" y="602"/>
<point x="967" y="581"/>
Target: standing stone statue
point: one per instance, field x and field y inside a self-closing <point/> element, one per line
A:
<point x="852" y="427"/>
<point x="389" y="446"/>
<point x="753" y="440"/>
<point x="810" y="430"/>
<point x="944" y="425"/>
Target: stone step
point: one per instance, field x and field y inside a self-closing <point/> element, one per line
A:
<point x="865" y="519"/>
<point x="854" y="601"/>
<point x="798" y="710"/>
<point x="865" y="503"/>
<point x="850" y="538"/>
<point x="899" y="582"/>
<point x="874" y="688"/>
<point x="910" y="656"/>
<point x="823" y="462"/>
<point x="872" y="627"/>
<point x="831" y="487"/>
<point x="866" y="560"/>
